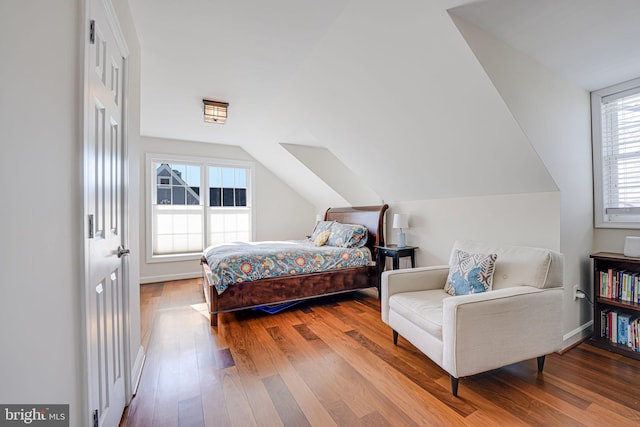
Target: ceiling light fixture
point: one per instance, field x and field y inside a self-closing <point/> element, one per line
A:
<point x="215" y="111"/>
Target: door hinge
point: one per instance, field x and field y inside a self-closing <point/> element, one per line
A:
<point x="95" y="418"/>
<point x="92" y="31"/>
<point x="91" y="226"/>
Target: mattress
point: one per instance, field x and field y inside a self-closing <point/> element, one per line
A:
<point x="232" y="263"/>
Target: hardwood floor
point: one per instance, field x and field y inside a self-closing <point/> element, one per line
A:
<point x="332" y="362"/>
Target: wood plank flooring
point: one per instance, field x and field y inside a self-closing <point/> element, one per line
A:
<point x="332" y="362"/>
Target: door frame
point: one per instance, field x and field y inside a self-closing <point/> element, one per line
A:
<point x="85" y="312"/>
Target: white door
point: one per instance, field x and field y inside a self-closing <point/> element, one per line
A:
<point x="105" y="284"/>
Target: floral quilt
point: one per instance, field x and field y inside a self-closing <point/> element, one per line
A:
<point x="244" y="262"/>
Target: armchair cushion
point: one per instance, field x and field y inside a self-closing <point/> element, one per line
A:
<point x="470" y="273"/>
<point x="410" y="280"/>
<point x="423" y="308"/>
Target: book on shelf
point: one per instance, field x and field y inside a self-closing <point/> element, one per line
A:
<point x="621" y="285"/>
<point x="604" y="323"/>
<point x="621" y="328"/>
<point x="632" y="332"/>
<point x="628" y="288"/>
<point x="613" y="326"/>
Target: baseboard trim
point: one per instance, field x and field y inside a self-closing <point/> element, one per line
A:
<point x="575" y="336"/>
<point x="136" y="372"/>
<point x="169" y="277"/>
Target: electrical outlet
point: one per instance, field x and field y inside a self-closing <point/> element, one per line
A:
<point x="575" y="292"/>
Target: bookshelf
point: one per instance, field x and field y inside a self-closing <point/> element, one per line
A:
<point x="616" y="286"/>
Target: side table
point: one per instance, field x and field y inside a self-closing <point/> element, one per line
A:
<point x="395" y="253"/>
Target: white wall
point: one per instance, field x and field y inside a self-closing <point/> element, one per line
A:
<point x="281" y="213"/>
<point x="611" y="239"/>
<point x="41" y="259"/>
<point x="555" y="116"/>
<point x="41" y="119"/>
<point x="518" y="219"/>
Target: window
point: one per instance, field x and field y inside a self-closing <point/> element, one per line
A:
<point x="616" y="155"/>
<point x="176" y="212"/>
<point x="229" y="216"/>
<point x="184" y="219"/>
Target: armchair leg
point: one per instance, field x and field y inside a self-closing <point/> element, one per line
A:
<point x="454" y="385"/>
<point x="540" y="363"/>
<point x="395" y="338"/>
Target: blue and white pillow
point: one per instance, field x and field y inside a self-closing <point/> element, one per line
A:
<point x="348" y="235"/>
<point x="470" y="273"/>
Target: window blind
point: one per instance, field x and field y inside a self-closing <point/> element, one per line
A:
<point x="620" y="133"/>
<point x="194" y="202"/>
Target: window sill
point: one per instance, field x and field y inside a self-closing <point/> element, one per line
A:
<point x="619" y="225"/>
<point x="173" y="258"/>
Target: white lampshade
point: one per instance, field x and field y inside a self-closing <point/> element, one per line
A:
<point x="400" y="221"/>
<point x="319" y="217"/>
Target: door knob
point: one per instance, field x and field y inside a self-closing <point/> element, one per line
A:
<point x="122" y="251"/>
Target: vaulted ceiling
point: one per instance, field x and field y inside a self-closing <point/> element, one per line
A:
<point x="592" y="43"/>
<point x="388" y="92"/>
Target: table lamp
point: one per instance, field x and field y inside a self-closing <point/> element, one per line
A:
<point x="401" y="221"/>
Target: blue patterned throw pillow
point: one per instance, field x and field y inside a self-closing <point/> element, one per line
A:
<point x="347" y="235"/>
<point x="470" y="273"/>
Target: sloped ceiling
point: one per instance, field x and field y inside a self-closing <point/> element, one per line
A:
<point x="396" y="94"/>
<point x="592" y="43"/>
<point x="331" y="170"/>
<point x="390" y="88"/>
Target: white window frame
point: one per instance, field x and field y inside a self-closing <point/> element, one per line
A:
<point x="204" y="163"/>
<point x="623" y="218"/>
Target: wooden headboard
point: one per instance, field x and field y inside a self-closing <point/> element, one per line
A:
<point x="371" y="217"/>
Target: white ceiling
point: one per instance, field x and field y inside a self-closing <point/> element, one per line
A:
<point x="245" y="52"/>
<point x="593" y="43"/>
<point x="280" y="62"/>
<point x="242" y="52"/>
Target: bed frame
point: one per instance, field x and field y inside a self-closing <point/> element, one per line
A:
<point x="300" y="287"/>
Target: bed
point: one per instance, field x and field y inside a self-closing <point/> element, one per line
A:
<point x="298" y="285"/>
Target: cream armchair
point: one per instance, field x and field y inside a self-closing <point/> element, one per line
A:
<point x="520" y="318"/>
